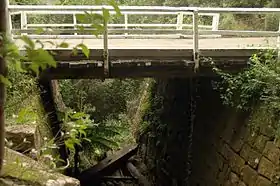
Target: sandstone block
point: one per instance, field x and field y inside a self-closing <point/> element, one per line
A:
<point x="249" y="175"/>
<point x="236" y="162"/>
<point x="237" y="144"/>
<point x="251" y="137"/>
<point x="260" y="142"/>
<point x="266" y="168"/>
<point x="20" y="137"/>
<point x="261" y="181"/>
<point x="250" y="155"/>
<point x="226" y="151"/>
<point x="272" y="152"/>
<point x="233" y="178"/>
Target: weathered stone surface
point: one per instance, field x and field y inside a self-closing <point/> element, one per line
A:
<point x="226" y="151"/>
<point x="237" y="144"/>
<point x="249" y="175"/>
<point x="233" y="178"/>
<point x="250" y="155"/>
<point x="251" y="137"/>
<point x="260" y="142"/>
<point x="268" y="131"/>
<point x="266" y="168"/>
<point x="20" y="137"/>
<point x="238" y="138"/>
<point x="236" y="162"/>
<point x="261" y="181"/>
<point x="33" y="172"/>
<point x="272" y="152"/>
<point x="222" y="175"/>
<point x="241" y="183"/>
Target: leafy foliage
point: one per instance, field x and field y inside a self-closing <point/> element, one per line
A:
<point x="255" y="89"/>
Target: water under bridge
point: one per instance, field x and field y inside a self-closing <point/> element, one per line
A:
<point x="133" y="49"/>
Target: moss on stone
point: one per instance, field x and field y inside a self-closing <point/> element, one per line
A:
<point x="20" y="167"/>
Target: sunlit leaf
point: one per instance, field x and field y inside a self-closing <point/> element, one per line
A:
<point x="116" y="7"/>
<point x="69" y="144"/>
<point x="18" y="67"/>
<point x="99" y="29"/>
<point x="81" y="18"/>
<point x="78" y="115"/>
<point x="63" y="45"/>
<point x="4" y="80"/>
<point x="106" y="14"/>
<point x="28" y="41"/>
<point x="39" y="31"/>
<point x="84" y="49"/>
<point x="35" y="68"/>
<point x="75" y="51"/>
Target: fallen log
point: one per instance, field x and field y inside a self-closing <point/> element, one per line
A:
<point x="107" y="166"/>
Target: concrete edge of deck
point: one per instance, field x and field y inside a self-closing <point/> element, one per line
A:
<point x="149" y="54"/>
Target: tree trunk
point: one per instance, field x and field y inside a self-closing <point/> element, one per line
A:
<point x="3" y="71"/>
<point x="48" y="93"/>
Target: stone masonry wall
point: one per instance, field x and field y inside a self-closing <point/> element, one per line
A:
<point x="226" y="152"/>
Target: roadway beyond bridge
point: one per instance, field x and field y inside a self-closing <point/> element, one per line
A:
<point x="145" y="49"/>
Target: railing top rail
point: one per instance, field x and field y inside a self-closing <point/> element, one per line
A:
<point x="96" y="8"/>
<point x="144" y="9"/>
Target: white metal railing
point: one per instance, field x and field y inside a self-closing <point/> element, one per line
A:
<point x="179" y="28"/>
<point x="124" y="28"/>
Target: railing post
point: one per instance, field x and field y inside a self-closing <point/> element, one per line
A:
<point x="10" y="25"/>
<point x="75" y="22"/>
<point x="180" y="18"/>
<point x="23" y="21"/>
<point x="126" y="23"/>
<point x="195" y="40"/>
<point x="215" y="22"/>
<point x="105" y="50"/>
<point x="278" y="41"/>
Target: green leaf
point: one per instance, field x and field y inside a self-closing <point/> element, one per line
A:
<point x="18" y="67"/>
<point x="81" y="18"/>
<point x="83" y="132"/>
<point x="116" y="7"/>
<point x="69" y="144"/>
<point x="84" y="49"/>
<point x="63" y="45"/>
<point x="86" y="139"/>
<point x="28" y="41"/>
<point x="4" y="80"/>
<point x="106" y="15"/>
<point x="95" y="18"/>
<point x="75" y="51"/>
<point x="39" y="31"/>
<point x="99" y="29"/>
<point x="78" y="115"/>
<point x="35" y="68"/>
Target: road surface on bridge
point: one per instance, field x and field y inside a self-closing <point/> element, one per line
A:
<point x="172" y="43"/>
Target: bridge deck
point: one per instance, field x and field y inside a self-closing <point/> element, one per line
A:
<point x="172" y="43"/>
<point x="152" y="57"/>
